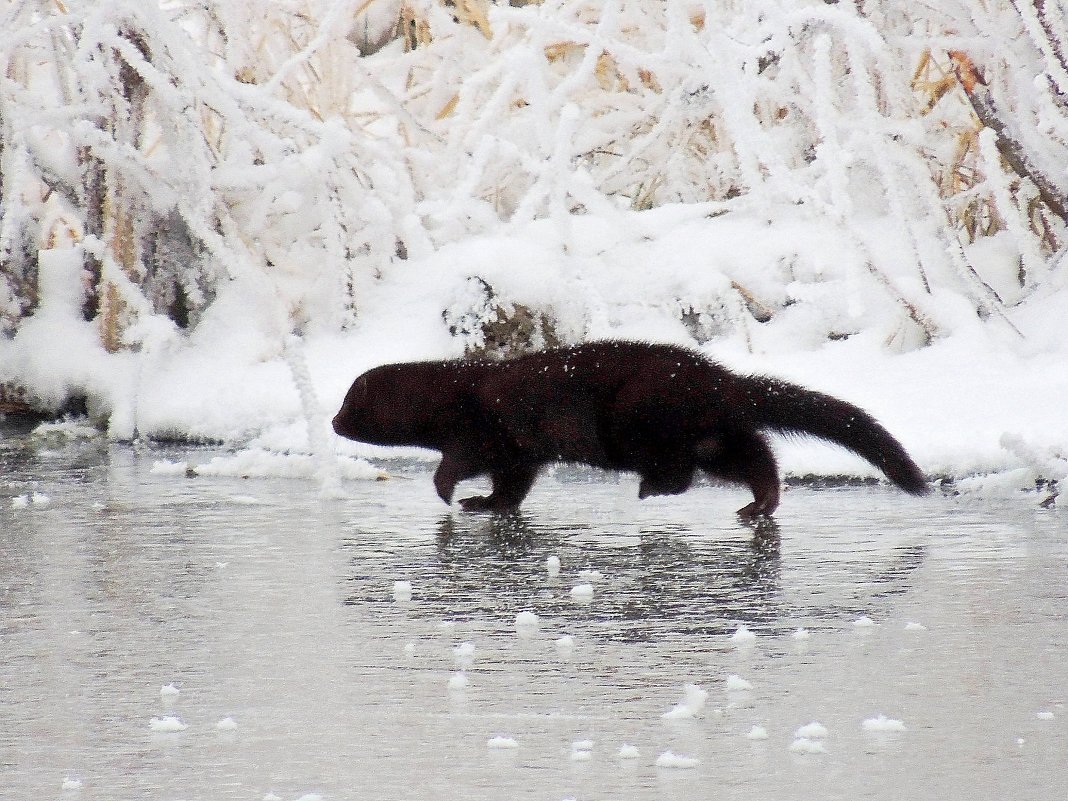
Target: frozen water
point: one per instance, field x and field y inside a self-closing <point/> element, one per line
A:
<point x="113" y="590"/>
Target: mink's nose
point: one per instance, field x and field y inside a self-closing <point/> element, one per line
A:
<point x="336" y="423"/>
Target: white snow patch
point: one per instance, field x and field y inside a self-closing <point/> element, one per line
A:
<point x="169" y="691"/>
<point x="552" y="565"/>
<point x="627" y="751"/>
<point x="743" y="635"/>
<point x="261" y="463"/>
<point x="71" y="784"/>
<point x="811" y="731"/>
<point x="863" y="622"/>
<point x="672" y="760"/>
<point x="736" y="683"/>
<point x="881" y="723"/>
<point x="402" y="591"/>
<point x="458" y="681"/>
<point x="582" y="593"/>
<point x="526" y="623"/>
<point x="502" y="743"/>
<point x="464" y="654"/>
<point x="911" y="626"/>
<point x="802" y="634"/>
<point x="692" y="702"/>
<point x="1045" y="714"/>
<point x="226" y="724"/>
<point x="804" y="745"/>
<point x="167" y="723"/>
<point x="757" y="733"/>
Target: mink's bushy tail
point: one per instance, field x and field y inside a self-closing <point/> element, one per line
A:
<point x="791" y="409"/>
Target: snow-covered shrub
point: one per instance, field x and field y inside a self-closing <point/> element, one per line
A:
<point x="240" y="171"/>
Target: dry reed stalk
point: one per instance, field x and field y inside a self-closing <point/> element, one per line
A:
<point x="414" y="28"/>
<point x="473" y="12"/>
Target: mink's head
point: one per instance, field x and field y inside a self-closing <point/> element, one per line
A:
<point x="380" y="408"/>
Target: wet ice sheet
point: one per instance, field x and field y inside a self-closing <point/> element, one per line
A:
<point x="261" y="604"/>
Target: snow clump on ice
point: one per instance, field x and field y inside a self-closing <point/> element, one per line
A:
<point x="736" y="683"/>
<point x="167" y="723"/>
<point x="526" y="623"/>
<point x="671" y="760"/>
<point x="502" y="743"/>
<point x="743" y="635"/>
<point x="882" y="723"/>
<point x="582" y="593"/>
<point x="692" y="702"/>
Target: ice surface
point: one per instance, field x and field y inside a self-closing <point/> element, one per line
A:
<point x="298" y="639"/>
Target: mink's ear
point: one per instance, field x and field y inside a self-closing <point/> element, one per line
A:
<point x="357" y="392"/>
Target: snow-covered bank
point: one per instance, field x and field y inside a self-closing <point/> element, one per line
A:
<point x="983" y="397"/>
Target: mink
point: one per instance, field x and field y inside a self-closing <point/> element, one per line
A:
<point x="661" y="411"/>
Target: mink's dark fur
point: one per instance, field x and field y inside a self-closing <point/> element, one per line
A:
<point x="661" y="411"/>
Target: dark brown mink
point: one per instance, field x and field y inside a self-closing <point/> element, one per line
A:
<point x="660" y="411"/>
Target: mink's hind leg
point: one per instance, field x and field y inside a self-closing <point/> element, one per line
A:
<point x="746" y="458"/>
<point x="510" y="486"/>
